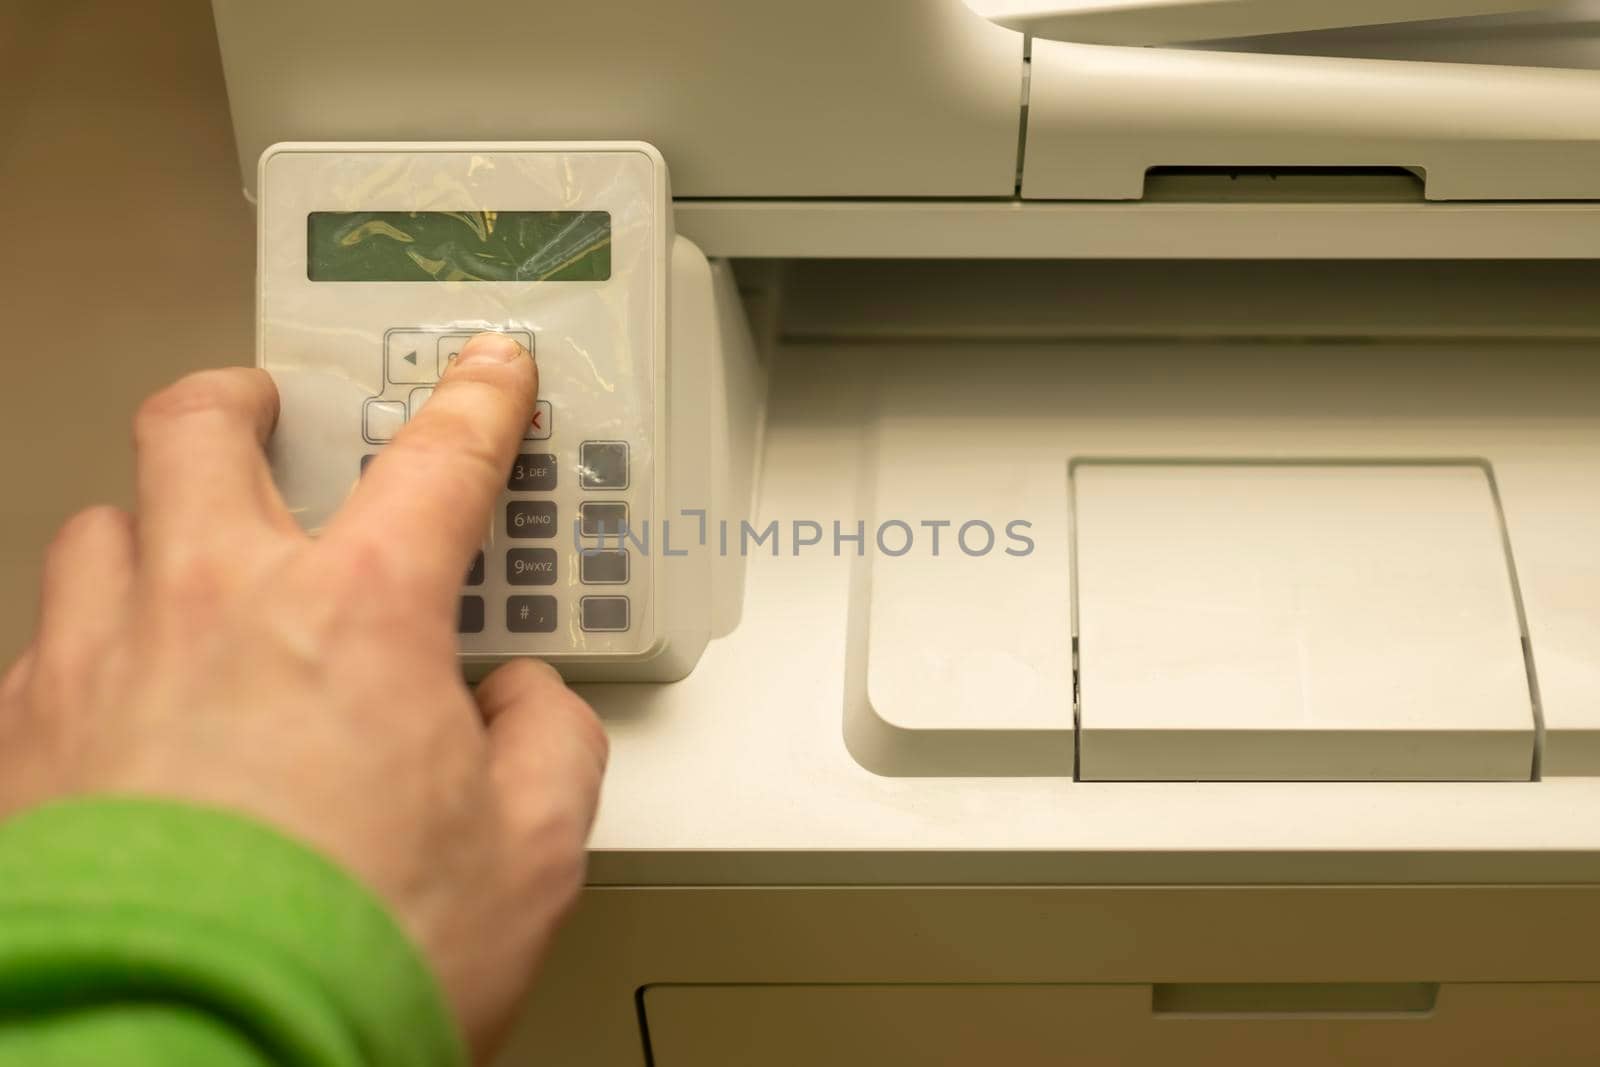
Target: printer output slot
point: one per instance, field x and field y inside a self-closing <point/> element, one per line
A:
<point x="1283" y="185"/>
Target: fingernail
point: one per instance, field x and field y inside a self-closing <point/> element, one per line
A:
<point x="489" y="348"/>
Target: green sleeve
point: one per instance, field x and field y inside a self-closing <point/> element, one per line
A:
<point x="147" y="933"/>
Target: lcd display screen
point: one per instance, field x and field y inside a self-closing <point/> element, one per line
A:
<point x="458" y="246"/>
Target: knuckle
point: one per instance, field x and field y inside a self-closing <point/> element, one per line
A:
<point x="202" y="393"/>
<point x="368" y="576"/>
<point x="194" y="581"/>
<point x="99" y="523"/>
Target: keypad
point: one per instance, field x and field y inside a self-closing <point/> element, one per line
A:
<point x="414" y="359"/>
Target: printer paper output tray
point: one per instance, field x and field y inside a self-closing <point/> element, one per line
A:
<point x="1331" y="522"/>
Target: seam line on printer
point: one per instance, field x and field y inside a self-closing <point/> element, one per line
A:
<point x="1535" y="773"/>
<point x="1022" y="117"/>
<point x="1072" y="621"/>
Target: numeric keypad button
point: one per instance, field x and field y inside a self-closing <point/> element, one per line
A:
<point x="531" y="614"/>
<point x="533" y="472"/>
<point x="531" y="566"/>
<point x="531" y="518"/>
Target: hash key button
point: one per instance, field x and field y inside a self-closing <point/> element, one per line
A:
<point x="533" y="473"/>
<point x="531" y="614"/>
<point x="531" y="518"/>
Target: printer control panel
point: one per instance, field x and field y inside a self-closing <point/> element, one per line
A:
<point x="380" y="261"/>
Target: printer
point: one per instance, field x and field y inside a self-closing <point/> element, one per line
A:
<point x="1081" y="517"/>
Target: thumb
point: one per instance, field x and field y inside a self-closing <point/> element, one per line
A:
<point x="547" y="749"/>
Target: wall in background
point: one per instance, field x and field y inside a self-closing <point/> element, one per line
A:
<point x="127" y="252"/>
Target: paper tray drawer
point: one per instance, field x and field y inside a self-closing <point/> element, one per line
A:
<point x="1123" y="1025"/>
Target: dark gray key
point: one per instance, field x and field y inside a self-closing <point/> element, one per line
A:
<point x="597" y="518"/>
<point x="531" y="518"/>
<point x="469" y="619"/>
<point x="475" y="575"/>
<point x="603" y="465"/>
<point x="531" y="566"/>
<point x="533" y="472"/>
<point x="531" y="614"/>
<point x="607" y="566"/>
<point x="604" y="614"/>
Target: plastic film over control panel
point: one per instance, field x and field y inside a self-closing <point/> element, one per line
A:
<point x="380" y="262"/>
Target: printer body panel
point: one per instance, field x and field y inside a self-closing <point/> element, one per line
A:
<point x="833" y="98"/>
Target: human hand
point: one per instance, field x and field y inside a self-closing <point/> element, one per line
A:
<point x="205" y="649"/>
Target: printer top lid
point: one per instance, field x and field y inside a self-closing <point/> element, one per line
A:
<point x="1154" y="22"/>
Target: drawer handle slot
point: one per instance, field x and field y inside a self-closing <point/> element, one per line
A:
<point x="1298" y="998"/>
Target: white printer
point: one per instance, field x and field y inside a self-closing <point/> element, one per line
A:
<point x="1081" y="517"/>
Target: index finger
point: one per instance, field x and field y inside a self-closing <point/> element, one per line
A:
<point x="430" y="491"/>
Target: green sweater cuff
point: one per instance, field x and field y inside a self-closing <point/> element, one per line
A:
<point x="120" y="904"/>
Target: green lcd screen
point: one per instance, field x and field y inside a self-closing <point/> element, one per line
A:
<point x="458" y="246"/>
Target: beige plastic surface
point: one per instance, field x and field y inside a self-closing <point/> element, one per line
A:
<point x="752" y="747"/>
<point x="968" y="652"/>
<point x="1217" y="228"/>
<point x="1368" y="940"/>
<point x="1147" y="22"/>
<point x="1099" y="116"/>
<point x="823" y="98"/>
<point x="1293" y="621"/>
<point x="1485" y="1025"/>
